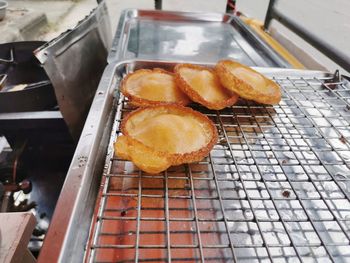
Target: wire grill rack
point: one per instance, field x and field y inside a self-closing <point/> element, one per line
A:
<point x="275" y="188"/>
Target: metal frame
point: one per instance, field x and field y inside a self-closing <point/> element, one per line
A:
<point x="74" y="83"/>
<point x="70" y="223"/>
<point x="231" y="6"/>
<point x="158" y="4"/>
<point x="338" y="56"/>
<point x="279" y="165"/>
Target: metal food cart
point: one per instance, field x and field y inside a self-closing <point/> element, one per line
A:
<point x="275" y="188"/>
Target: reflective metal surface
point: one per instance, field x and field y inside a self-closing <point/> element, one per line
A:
<point x="19" y="69"/>
<point x="275" y="188"/>
<point x="70" y="224"/>
<point x="75" y="62"/>
<point x="181" y="36"/>
<point x="69" y="229"/>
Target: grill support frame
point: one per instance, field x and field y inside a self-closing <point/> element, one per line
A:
<point x="303" y="77"/>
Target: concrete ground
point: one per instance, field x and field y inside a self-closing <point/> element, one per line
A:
<point x="25" y="20"/>
<point x="328" y="19"/>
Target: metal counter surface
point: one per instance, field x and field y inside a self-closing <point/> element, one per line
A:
<point x="184" y="36"/>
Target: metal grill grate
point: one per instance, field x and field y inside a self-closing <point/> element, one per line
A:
<point x="276" y="188"/>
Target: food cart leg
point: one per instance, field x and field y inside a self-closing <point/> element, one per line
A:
<point x="231" y="6"/>
<point x="158" y="4"/>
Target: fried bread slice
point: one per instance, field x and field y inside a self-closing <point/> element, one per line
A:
<point x="203" y="86"/>
<point x="146" y="87"/>
<point x="247" y="83"/>
<point x="157" y="137"/>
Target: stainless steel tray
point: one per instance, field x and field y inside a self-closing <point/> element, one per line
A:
<point x="276" y="185"/>
<point x="185" y="36"/>
<point x="274" y="189"/>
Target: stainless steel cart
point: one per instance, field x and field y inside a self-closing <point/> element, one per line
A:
<point x="275" y="188"/>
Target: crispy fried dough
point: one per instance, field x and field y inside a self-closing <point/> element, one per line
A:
<point x="203" y="86"/>
<point x="147" y="87"/>
<point x="157" y="137"/>
<point x="247" y="83"/>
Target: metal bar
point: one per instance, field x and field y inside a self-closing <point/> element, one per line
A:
<point x="167" y="216"/>
<point x="193" y="199"/>
<point x="223" y="211"/>
<point x="90" y="256"/>
<point x="269" y="12"/>
<point x="232" y="198"/>
<point x="98" y="225"/>
<point x="252" y="52"/>
<point x="138" y="221"/>
<point x="231" y="6"/>
<point x="32" y="115"/>
<point x="158" y="4"/>
<point x="184" y="232"/>
<point x="80" y="188"/>
<point x="336" y="55"/>
<point x="216" y="220"/>
<point x="204" y="246"/>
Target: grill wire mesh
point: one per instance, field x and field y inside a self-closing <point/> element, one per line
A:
<point x="275" y="188"/>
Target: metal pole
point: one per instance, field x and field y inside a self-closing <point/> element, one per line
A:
<point x="231" y="6"/>
<point x="338" y="56"/>
<point x="158" y="4"/>
<point x="269" y="14"/>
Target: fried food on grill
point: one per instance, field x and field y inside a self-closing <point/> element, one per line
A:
<point x="203" y="86"/>
<point x="247" y="83"/>
<point x="147" y="87"/>
<point x="157" y="137"/>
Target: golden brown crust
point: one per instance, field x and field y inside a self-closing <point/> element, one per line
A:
<point x="144" y="157"/>
<point x="244" y="89"/>
<point x="168" y="159"/>
<point x="195" y="96"/>
<point x="142" y="102"/>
